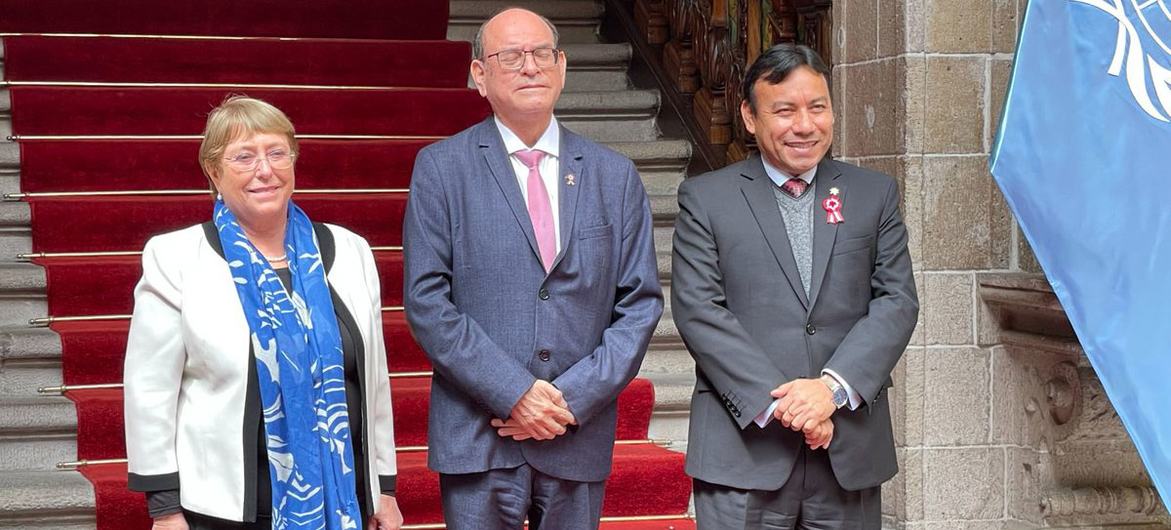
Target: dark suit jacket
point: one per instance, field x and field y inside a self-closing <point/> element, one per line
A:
<point x="738" y="302"/>
<point x="490" y="319"/>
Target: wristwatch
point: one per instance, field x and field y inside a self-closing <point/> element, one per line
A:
<point x="840" y="396"/>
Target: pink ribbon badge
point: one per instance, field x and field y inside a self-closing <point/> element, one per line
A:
<point x="833" y="208"/>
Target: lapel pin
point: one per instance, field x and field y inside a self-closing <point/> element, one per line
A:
<point x="833" y="207"/>
<point x="570" y="180"/>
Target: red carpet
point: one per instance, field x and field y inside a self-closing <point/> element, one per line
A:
<point x="73" y="279"/>
<point x="121" y="223"/>
<point x="357" y="19"/>
<point x="39" y="110"/>
<point x="338" y="43"/>
<point x="434" y="63"/>
<point x="92" y="351"/>
<point x="100" y="434"/>
<point x="647" y="477"/>
<point x="120" y="165"/>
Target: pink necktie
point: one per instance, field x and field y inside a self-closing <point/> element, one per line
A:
<point x="794" y="187"/>
<point x="540" y="210"/>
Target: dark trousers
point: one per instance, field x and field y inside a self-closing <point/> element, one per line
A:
<point x="196" y="521"/>
<point x="811" y="499"/>
<point x="501" y="499"/>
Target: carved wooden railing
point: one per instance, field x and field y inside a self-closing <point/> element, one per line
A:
<point x="700" y="50"/>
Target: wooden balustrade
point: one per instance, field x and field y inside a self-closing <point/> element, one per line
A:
<point x="703" y="48"/>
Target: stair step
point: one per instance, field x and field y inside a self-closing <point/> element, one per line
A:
<point x="661" y="163"/>
<point x="359" y="19"/>
<point x="668" y="357"/>
<point x="646" y="479"/>
<point x="30" y="358"/>
<point x="119" y="223"/>
<point x="36" y="432"/>
<point x="93" y="352"/>
<point x="49" y="110"/>
<point x="104" y="285"/>
<point x="99" y="418"/>
<point x="21" y="292"/>
<point x="46" y="499"/>
<point x="606" y="116"/>
<point x="248" y="61"/>
<point x="14" y="223"/>
<point x="672" y="406"/>
<point x="23" y="343"/>
<point x="664" y="232"/>
<point x="576" y="20"/>
<point x="9" y="160"/>
<point x="594" y="67"/>
<point x="164" y="164"/>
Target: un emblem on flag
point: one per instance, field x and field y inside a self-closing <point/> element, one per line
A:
<point x="1141" y="53"/>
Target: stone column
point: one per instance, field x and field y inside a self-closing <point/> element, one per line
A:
<point x="919" y="85"/>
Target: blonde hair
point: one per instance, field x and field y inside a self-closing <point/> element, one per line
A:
<point x="238" y="117"/>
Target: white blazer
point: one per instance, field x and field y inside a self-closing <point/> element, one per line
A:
<point x="187" y="371"/>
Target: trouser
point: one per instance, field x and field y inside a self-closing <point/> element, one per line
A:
<point x="811" y="499"/>
<point x="501" y="499"/>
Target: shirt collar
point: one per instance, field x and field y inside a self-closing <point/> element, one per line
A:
<point x="549" y="142"/>
<point x="780" y="177"/>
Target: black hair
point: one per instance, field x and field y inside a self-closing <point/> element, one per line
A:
<point x="776" y="63"/>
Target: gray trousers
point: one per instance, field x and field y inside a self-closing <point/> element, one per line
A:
<point x="501" y="499"/>
<point x="811" y="499"/>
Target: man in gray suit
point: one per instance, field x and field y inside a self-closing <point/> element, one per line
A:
<point x="792" y="287"/>
<point x="530" y="281"/>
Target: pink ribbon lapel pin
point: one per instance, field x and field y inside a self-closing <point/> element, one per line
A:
<point x="833" y="207"/>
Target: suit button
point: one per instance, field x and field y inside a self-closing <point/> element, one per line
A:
<point x="543" y="294"/>
<point x="810" y="329"/>
<point x="543" y="355"/>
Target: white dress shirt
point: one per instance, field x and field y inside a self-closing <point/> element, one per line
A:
<point x="779" y="178"/>
<point x="550" y="167"/>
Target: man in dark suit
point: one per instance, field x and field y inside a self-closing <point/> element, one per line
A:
<point x="530" y="281"/>
<point x="792" y="287"/>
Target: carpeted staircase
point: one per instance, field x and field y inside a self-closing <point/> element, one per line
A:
<point x="102" y="155"/>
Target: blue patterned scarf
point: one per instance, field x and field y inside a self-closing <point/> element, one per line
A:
<point x="299" y="363"/>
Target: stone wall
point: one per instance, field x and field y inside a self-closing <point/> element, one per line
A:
<point x="920" y="84"/>
<point x="991" y="433"/>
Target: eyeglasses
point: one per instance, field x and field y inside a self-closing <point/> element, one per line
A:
<point x="515" y="59"/>
<point x="277" y="159"/>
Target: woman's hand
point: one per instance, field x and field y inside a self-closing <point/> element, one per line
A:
<point x="387" y="516"/>
<point x="174" y="521"/>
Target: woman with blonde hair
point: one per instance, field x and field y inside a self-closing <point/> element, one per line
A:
<point x="256" y="385"/>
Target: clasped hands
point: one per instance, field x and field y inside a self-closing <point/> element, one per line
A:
<point x="806" y="406"/>
<point x="541" y="414"/>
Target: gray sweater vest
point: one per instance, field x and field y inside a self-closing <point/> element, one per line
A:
<point x="798" y="216"/>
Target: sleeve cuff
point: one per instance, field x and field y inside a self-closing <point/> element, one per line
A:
<point x="388" y="484"/>
<point x="765" y="417"/>
<point x="165" y="502"/>
<point x="145" y="483"/>
<point x="855" y="398"/>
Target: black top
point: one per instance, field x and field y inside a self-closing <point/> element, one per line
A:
<point x="353" y="405"/>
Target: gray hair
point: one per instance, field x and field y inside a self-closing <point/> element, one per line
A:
<point x="478" y="43"/>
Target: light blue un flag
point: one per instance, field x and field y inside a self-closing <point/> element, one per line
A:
<point x="1084" y="159"/>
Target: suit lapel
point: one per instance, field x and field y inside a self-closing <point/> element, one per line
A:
<point x="570" y="163"/>
<point x="758" y="191"/>
<point x="492" y="149"/>
<point x="824" y="234"/>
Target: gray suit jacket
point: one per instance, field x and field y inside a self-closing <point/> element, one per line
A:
<point x="739" y="304"/>
<point x="480" y="304"/>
